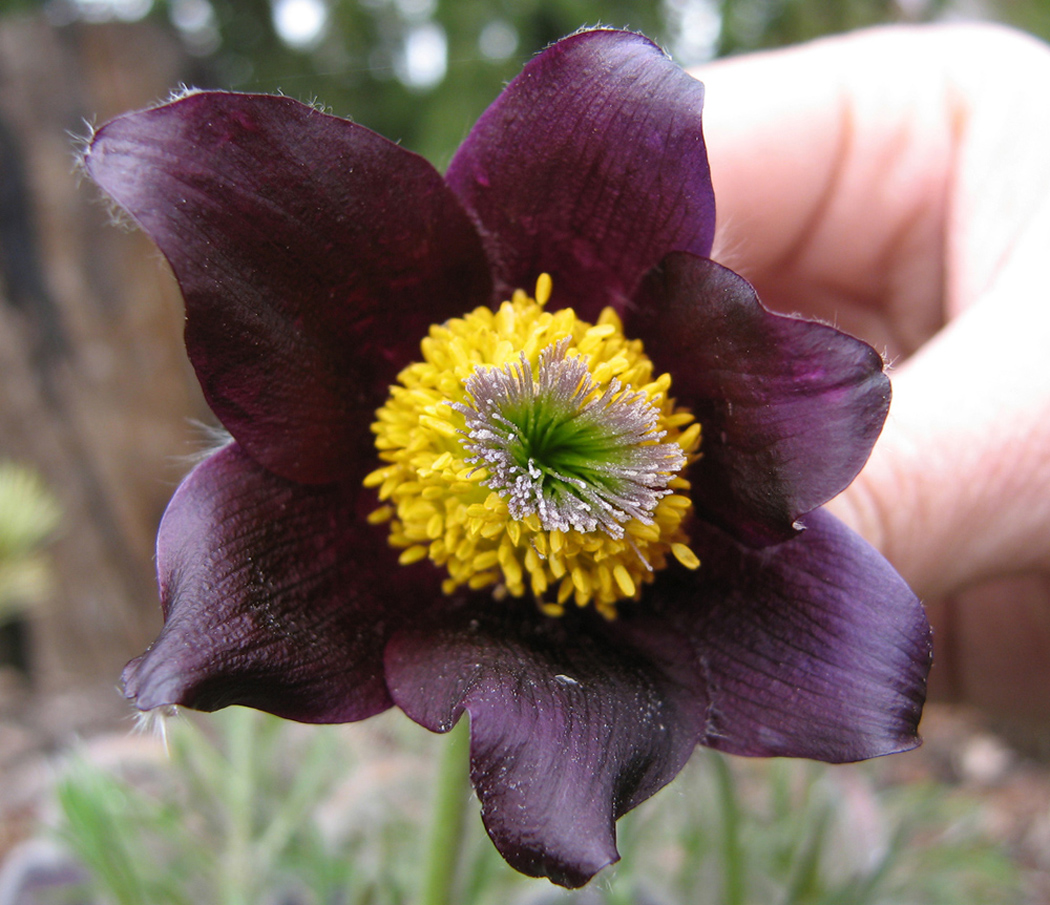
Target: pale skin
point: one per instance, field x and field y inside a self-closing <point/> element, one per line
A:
<point x="896" y="183"/>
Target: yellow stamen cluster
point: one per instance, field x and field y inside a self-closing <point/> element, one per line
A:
<point x="434" y="492"/>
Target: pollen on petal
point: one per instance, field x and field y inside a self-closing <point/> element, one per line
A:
<point x="531" y="452"/>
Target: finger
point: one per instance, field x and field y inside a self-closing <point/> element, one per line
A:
<point x="957" y="489"/>
<point x="828" y="171"/>
<point x="851" y="172"/>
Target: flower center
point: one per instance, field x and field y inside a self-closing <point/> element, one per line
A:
<point x="532" y="450"/>
<point x="579" y="457"/>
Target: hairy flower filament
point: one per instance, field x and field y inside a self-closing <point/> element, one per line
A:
<point x="579" y="456"/>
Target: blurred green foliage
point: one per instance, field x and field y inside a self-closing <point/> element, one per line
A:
<point x="357" y="62"/>
<point x="28" y="516"/>
<point x="753" y="24"/>
<point x="251" y="810"/>
<point x="354" y="68"/>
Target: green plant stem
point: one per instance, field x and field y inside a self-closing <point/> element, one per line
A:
<point x="237" y="857"/>
<point x="732" y="853"/>
<point x="445" y="841"/>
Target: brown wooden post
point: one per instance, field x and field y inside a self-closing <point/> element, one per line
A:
<point x="94" y="387"/>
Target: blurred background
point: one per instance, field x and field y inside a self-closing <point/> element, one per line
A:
<point x="99" y="410"/>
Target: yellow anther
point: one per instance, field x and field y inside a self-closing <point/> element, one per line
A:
<point x="479" y="581"/>
<point x="514" y="531"/>
<point x="485" y="561"/>
<point x="418" y="510"/>
<point x="679" y="419"/>
<point x="624" y="580"/>
<point x="533" y="562"/>
<point x="689" y="438"/>
<point x="543" y="289"/>
<point x="649" y="533"/>
<point x="605" y="580"/>
<point x="412" y="554"/>
<point x="552" y="609"/>
<point x="538" y="582"/>
<point x="380" y="515"/>
<point x="440" y="426"/>
<point x="492" y="529"/>
<point x="375" y="478"/>
<point x="504" y="352"/>
<point x="685" y="556"/>
<point x="677" y="501"/>
<point x="509" y="563"/>
<point x="582" y="580"/>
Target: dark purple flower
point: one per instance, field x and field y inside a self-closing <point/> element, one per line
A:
<point x="314" y="257"/>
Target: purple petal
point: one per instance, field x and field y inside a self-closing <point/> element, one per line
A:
<point x="275" y="595"/>
<point x="814" y="648"/>
<point x="313" y="255"/>
<point x="573" y="722"/>
<point x="590" y="166"/>
<point x="789" y="408"/>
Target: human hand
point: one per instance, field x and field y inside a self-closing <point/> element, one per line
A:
<point x="896" y="182"/>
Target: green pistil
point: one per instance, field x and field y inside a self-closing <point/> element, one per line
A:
<point x="558" y="445"/>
